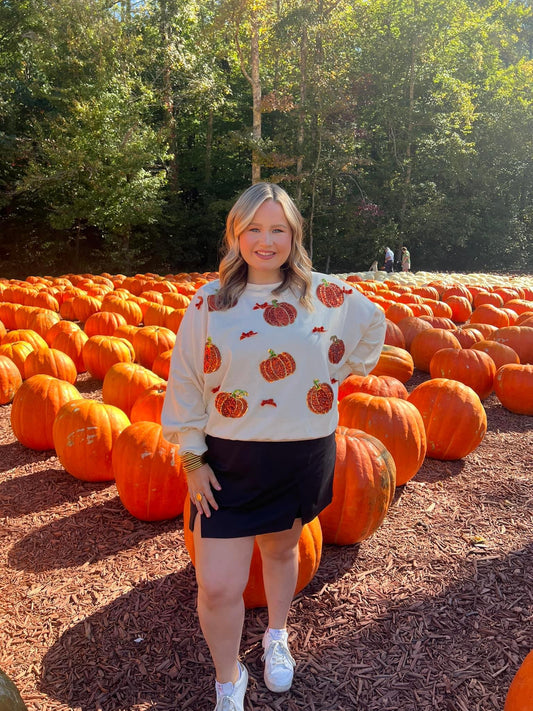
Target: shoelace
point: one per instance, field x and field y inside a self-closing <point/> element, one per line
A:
<point x="278" y="654"/>
<point x="226" y="703"/>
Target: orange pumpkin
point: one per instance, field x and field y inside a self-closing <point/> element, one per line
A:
<point x="149" y="405"/>
<point x="101" y="352"/>
<point x="52" y="362"/>
<point x="519" y="338"/>
<point x="454" y="417"/>
<point x="410" y="327"/>
<point x="309" y="555"/>
<point x="520" y="694"/>
<point x="460" y="306"/>
<point x="149" y="476"/>
<point x="395" y="422"/>
<point x="35" y="406"/>
<point x="150" y="341"/>
<point x="513" y="386"/>
<point x="25" y="334"/>
<point x="84" y="433"/>
<point x="125" y="382"/>
<point x="500" y="353"/>
<point x="17" y="351"/>
<point x="393" y="335"/>
<point x="161" y="364"/>
<point x="471" y="367"/>
<point x="103" y="323"/>
<point x="10" y="379"/>
<point x="396" y="362"/>
<point x="426" y="343"/>
<point x="383" y="385"/>
<point x="363" y="488"/>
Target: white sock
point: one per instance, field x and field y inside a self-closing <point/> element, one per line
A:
<point x="226" y="689"/>
<point x="275" y="634"/>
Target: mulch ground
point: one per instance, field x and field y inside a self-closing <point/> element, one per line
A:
<point x="434" y="611"/>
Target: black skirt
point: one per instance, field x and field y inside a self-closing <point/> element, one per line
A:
<point x="267" y="485"/>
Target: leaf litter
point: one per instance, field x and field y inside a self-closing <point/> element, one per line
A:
<point x="434" y="611"/>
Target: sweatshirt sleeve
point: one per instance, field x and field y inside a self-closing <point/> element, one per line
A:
<point x="366" y="352"/>
<point x="184" y="415"/>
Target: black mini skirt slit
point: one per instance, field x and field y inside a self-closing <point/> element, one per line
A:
<point x="267" y="485"/>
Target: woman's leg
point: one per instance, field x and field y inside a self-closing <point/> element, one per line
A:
<point x="222" y="569"/>
<point x="279" y="553"/>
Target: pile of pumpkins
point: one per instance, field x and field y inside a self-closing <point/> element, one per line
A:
<point x="472" y="337"/>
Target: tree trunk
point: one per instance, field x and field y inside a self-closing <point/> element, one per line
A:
<point x="208" y="149"/>
<point x="410" y="131"/>
<point x="256" y="98"/>
<point x="301" y="112"/>
<point x="168" y="97"/>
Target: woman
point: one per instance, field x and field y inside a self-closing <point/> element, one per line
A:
<point x="251" y="400"/>
<point x="406" y="260"/>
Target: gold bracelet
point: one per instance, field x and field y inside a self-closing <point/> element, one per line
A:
<point x="191" y="461"/>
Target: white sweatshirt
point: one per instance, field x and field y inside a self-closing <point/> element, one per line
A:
<point x="267" y="369"/>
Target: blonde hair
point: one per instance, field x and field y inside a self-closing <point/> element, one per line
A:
<point x="233" y="270"/>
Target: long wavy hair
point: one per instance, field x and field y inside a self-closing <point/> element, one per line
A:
<point x="233" y="270"/>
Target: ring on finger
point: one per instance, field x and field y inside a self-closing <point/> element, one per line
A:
<point x="199" y="497"/>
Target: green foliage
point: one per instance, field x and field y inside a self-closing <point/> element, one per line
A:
<point x="126" y="130"/>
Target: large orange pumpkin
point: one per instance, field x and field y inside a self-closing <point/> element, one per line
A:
<point x="309" y="555"/>
<point x="149" y="476"/>
<point x="363" y="488"/>
<point x="426" y="343"/>
<point x="52" y="362"/>
<point x="149" y="405"/>
<point x="395" y="422"/>
<point x="513" y="386"/>
<point x="410" y="327"/>
<point x="500" y="353"/>
<point x="25" y="334"/>
<point x="34" y="409"/>
<point x="150" y="341"/>
<point x="103" y="323"/>
<point x="519" y="338"/>
<point x="17" y="351"/>
<point x="471" y="367"/>
<point x="125" y="382"/>
<point x="101" y="352"/>
<point x="84" y="433"/>
<point x="520" y="694"/>
<point x="384" y="385"/>
<point x="10" y="379"/>
<point x="396" y="362"/>
<point x="453" y="415"/>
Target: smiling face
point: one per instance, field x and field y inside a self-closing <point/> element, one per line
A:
<point x="265" y="245"/>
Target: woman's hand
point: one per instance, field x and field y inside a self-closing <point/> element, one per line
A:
<point x="201" y="483"/>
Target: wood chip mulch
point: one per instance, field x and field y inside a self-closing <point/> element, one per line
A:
<point x="434" y="611"/>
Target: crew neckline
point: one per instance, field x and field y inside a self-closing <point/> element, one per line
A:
<point x="263" y="287"/>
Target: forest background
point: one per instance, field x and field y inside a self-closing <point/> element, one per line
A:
<point x="128" y="128"/>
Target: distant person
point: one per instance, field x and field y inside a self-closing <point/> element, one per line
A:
<point x="406" y="260"/>
<point x="389" y="260"/>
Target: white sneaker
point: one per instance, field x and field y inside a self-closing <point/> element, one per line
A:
<point x="235" y="700"/>
<point x="279" y="664"/>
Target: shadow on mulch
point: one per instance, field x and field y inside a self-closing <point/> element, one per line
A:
<point x="146" y="647"/>
<point x="433" y="470"/>
<point x="51" y="487"/>
<point x="66" y="543"/>
<point x="87" y="384"/>
<point x="500" y="420"/>
<point x="13" y="453"/>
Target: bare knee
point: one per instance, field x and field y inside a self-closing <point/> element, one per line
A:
<point x="219" y="591"/>
<point x="279" y="552"/>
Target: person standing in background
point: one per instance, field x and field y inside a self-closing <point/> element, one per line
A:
<point x="389" y="260"/>
<point x="406" y="260"/>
